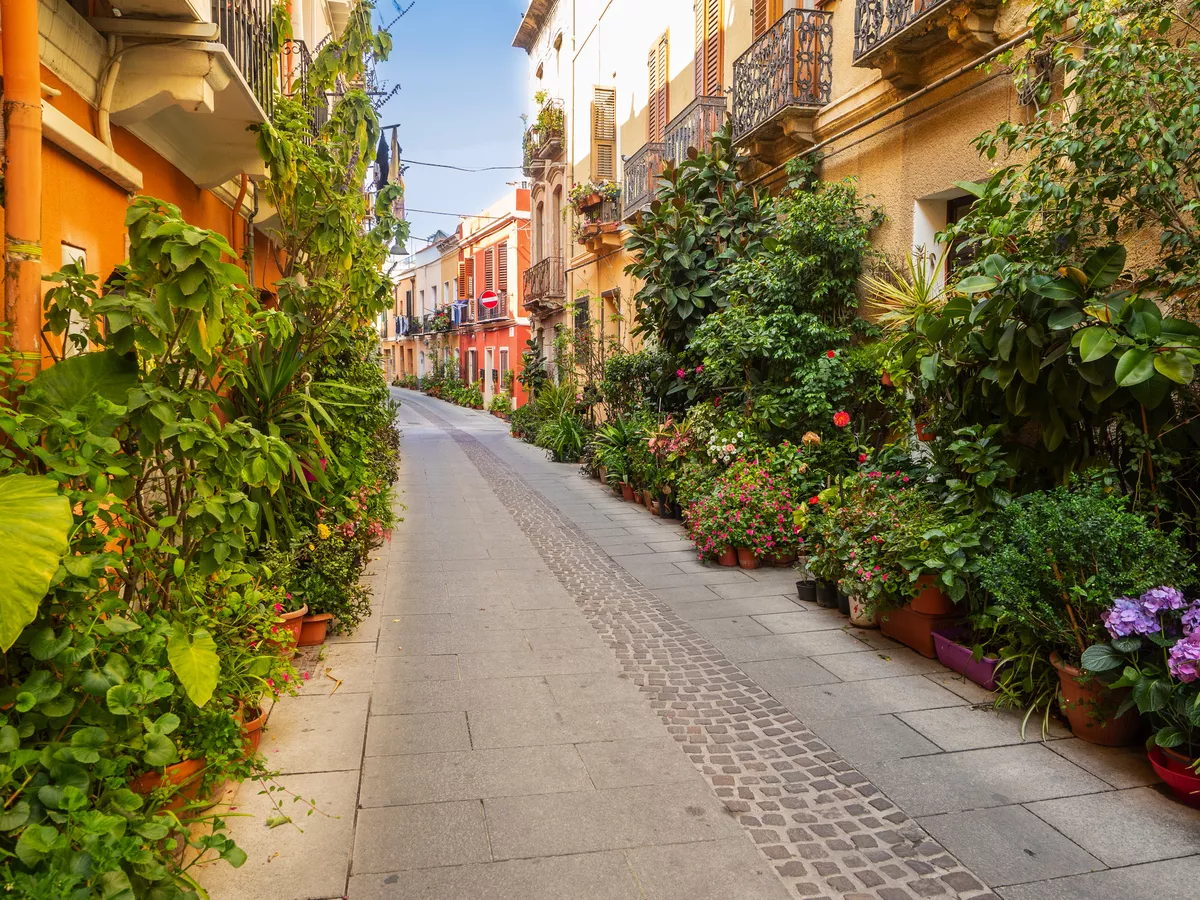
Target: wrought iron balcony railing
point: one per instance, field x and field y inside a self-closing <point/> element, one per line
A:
<point x="246" y="29"/>
<point x="544" y="138"/>
<point x="545" y="280"/>
<point x="295" y="62"/>
<point x="641" y="177"/>
<point x="878" y="21"/>
<point x="789" y="66"/>
<point x="694" y="127"/>
<point x="496" y="313"/>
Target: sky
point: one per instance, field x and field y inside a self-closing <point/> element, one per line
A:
<point x="460" y="102"/>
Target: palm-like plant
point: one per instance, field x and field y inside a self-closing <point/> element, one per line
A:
<point x="902" y="296"/>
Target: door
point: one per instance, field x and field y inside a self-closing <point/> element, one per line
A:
<point x="489" y="381"/>
<point x="472" y="366"/>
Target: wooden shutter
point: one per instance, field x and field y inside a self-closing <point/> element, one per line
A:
<point x="710" y="47"/>
<point x="463" y="294"/>
<point x="764" y="14"/>
<point x="604" y="134"/>
<point x="502" y="267"/>
<point x="489" y="269"/>
<point x="658" y="103"/>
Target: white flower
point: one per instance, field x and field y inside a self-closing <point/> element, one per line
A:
<point x="739" y="434"/>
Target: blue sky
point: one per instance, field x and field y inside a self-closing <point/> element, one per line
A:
<point x="461" y="98"/>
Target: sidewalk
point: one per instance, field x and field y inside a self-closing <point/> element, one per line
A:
<point x="555" y="700"/>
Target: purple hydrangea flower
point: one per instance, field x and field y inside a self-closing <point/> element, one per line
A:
<point x="1162" y="598"/>
<point x="1129" y="617"/>
<point x="1191" y="619"/>
<point x="1184" y="660"/>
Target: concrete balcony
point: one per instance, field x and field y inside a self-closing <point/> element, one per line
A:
<point x="190" y="79"/>
<point x="907" y="40"/>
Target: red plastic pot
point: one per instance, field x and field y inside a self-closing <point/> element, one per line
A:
<point x="183" y="778"/>
<point x="728" y="558"/>
<point x="746" y="558"/>
<point x="288" y="634"/>
<point x="1176" y="770"/>
<point x="931" y="599"/>
<point x="1090" y="705"/>
<point x="915" y="629"/>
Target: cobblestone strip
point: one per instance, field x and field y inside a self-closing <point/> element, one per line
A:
<point x="825" y="828"/>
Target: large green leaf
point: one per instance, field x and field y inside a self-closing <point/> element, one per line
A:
<point x="35" y="522"/>
<point x="1105" y="266"/>
<point x="1175" y="366"/>
<point x="1095" y="343"/>
<point x="1135" y="366"/>
<point x="195" y="662"/>
<point x="76" y="382"/>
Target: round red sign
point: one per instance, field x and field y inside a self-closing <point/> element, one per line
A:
<point x="489" y="299"/>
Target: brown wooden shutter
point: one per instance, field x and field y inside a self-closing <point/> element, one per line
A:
<point x="604" y="134"/>
<point x="659" y="103"/>
<point x="710" y="47"/>
<point x="462" y="280"/>
<point x="489" y="269"/>
<point x="764" y="14"/>
<point x="502" y="267"/>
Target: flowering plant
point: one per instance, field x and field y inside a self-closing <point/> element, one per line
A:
<point x="747" y="508"/>
<point x="1156" y="645"/>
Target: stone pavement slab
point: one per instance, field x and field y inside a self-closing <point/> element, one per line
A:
<point x="316" y="733"/>
<point x="418" y="733"/>
<point x="718" y="869"/>
<point x="396" y="838"/>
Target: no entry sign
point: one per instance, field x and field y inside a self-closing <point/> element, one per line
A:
<point x="489" y="299"/>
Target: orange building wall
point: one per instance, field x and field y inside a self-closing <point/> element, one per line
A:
<point x="83" y="208"/>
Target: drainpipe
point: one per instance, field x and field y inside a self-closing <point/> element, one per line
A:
<point x="22" y="183"/>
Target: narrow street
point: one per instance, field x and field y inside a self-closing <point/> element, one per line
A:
<point x="555" y="700"/>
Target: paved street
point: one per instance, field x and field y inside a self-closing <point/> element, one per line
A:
<point x="555" y="700"/>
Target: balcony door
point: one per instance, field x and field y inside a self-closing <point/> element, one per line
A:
<point x="764" y="14"/>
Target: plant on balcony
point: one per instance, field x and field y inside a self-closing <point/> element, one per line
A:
<point x="585" y="196"/>
<point x="550" y="121"/>
<point x="702" y="220"/>
<point x="442" y="320"/>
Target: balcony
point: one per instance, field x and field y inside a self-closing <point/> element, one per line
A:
<point x="907" y="40"/>
<point x="193" y="76"/>
<point x="641" y="178"/>
<point x="498" y="313"/>
<point x="693" y="127"/>
<point x="545" y="284"/>
<point x="544" y="138"/>
<point x="295" y="63"/>
<point x="601" y="226"/>
<point x="781" y="82"/>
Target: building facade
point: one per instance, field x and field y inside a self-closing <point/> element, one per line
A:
<point x="459" y="302"/>
<point x="155" y="100"/>
<point x="888" y="94"/>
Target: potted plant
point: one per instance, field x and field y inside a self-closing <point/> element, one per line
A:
<point x="1058" y="558"/>
<point x="1155" y="646"/>
<point x="956" y="651"/>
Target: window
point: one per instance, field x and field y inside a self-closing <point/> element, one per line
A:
<point x="710" y="47"/>
<point x="472" y="366"/>
<point x="408" y="307"/>
<point x="466" y="279"/>
<point x="556" y="222"/>
<point x="502" y="267"/>
<point x="604" y="134"/>
<point x="503" y="364"/>
<point x="658" y="105"/>
<point x="539" y="233"/>
<point x="434" y="293"/>
<point x="446" y="290"/>
<point x="422" y="296"/>
<point x="957" y="254"/>
<point x="764" y="14"/>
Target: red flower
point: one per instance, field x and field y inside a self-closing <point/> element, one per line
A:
<point x="813" y="501"/>
<point x="831" y="353"/>
<point x="862" y="457"/>
<point x="841" y="419"/>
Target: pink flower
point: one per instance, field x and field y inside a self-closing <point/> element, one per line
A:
<point x="279" y="607"/>
<point x="285" y="676"/>
<point x="681" y="373"/>
<point x="699" y="369"/>
<point x="306" y="676"/>
<point x="270" y="682"/>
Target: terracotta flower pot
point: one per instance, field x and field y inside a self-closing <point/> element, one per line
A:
<point x="646" y="499"/>
<point x="931" y="599"/>
<point x="654" y="507"/>
<point x="314" y="629"/>
<point x="252" y="725"/>
<point x="728" y="558"/>
<point x="746" y="558"/>
<point x="288" y="634"/>
<point x="915" y="629"/>
<point x="183" y="778"/>
<point x="627" y="491"/>
<point x="1089" y="707"/>
<point x="1176" y="770"/>
<point x="603" y="471"/>
<point x="784" y="559"/>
